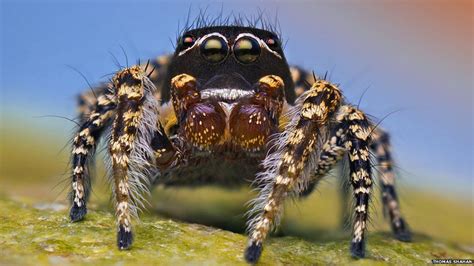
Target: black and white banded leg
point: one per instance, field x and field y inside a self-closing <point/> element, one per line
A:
<point x="352" y="137"/>
<point x="357" y="140"/>
<point x="132" y="156"/>
<point x="381" y="147"/>
<point x="83" y="150"/>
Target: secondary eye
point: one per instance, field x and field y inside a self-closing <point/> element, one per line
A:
<point x="187" y="41"/>
<point x="272" y="43"/>
<point x="214" y="49"/>
<point x="246" y="50"/>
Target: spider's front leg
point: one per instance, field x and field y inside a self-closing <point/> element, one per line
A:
<point x="139" y="147"/>
<point x="285" y="166"/>
<point x="130" y="147"/>
<point x="288" y="169"/>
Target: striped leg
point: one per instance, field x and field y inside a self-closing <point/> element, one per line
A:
<point x="156" y="69"/>
<point x="87" y="101"/>
<point x="130" y="149"/>
<point x="332" y="149"/>
<point x="84" y="145"/>
<point x="357" y="131"/>
<point x="381" y="147"/>
<point x="285" y="166"/>
<point x="302" y="79"/>
<point x="331" y="152"/>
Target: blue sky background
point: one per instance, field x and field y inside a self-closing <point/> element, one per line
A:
<point x="415" y="56"/>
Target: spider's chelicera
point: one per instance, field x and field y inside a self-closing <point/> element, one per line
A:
<point x="226" y="108"/>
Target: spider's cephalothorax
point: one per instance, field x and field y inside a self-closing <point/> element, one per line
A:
<point x="226" y="108"/>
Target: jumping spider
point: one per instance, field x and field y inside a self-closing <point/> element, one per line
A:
<point x="227" y="108"/>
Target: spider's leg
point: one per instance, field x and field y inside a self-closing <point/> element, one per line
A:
<point x="155" y="69"/>
<point x="84" y="145"/>
<point x="87" y="101"/>
<point x="130" y="146"/>
<point x="302" y="79"/>
<point x="285" y="167"/>
<point x="332" y="151"/>
<point x="351" y="136"/>
<point x="381" y="147"/>
<point x="345" y="194"/>
<point x="357" y="128"/>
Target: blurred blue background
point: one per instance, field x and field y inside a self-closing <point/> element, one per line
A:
<point x="416" y="57"/>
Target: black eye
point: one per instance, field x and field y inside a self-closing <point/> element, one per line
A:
<point x="187" y="41"/>
<point x="246" y="50"/>
<point x="214" y="49"/>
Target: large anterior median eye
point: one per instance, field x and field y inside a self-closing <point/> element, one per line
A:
<point x="246" y="50"/>
<point x="214" y="49"/>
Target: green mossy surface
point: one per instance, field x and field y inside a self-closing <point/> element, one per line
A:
<point x="35" y="229"/>
<point x="35" y="234"/>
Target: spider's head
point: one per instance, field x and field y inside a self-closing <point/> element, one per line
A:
<point x="240" y="74"/>
<point x="231" y="57"/>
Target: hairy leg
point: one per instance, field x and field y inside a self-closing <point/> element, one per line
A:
<point x="351" y="135"/>
<point x="345" y="194"/>
<point x="357" y="130"/>
<point x="84" y="145"/>
<point x="285" y="166"/>
<point x="87" y="101"/>
<point x="302" y="79"/>
<point x="155" y="68"/>
<point x="381" y="147"/>
<point x="332" y="151"/>
<point x="130" y="150"/>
